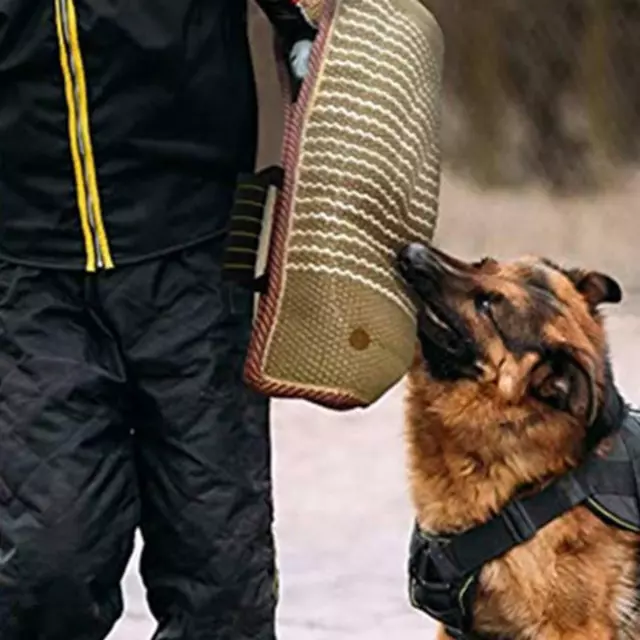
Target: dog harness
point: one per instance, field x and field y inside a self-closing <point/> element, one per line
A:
<point x="444" y="570"/>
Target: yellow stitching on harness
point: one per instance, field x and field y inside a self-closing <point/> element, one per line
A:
<point x="86" y="137"/>
<point x="463" y="592"/>
<point x="623" y="524"/>
<point x="73" y="140"/>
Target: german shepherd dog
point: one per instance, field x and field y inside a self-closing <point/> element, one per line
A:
<point x="511" y="371"/>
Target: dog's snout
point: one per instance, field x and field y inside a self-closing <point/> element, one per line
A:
<point x="410" y="256"/>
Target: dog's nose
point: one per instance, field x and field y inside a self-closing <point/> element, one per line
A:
<point x="409" y="255"/>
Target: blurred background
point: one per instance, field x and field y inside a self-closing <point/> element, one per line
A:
<point x="540" y="130"/>
<point x="541" y="146"/>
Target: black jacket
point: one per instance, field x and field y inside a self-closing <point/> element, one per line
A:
<point x="123" y="124"/>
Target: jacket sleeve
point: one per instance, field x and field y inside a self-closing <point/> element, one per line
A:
<point x="289" y="21"/>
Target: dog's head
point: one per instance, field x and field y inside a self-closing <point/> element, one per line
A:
<point x="527" y="331"/>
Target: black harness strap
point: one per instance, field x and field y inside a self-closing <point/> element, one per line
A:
<point x="517" y="523"/>
<point x="443" y="570"/>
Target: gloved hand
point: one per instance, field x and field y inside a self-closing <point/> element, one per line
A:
<point x="296" y="30"/>
<point x="299" y="57"/>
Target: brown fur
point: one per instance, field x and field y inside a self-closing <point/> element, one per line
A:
<point x="473" y="441"/>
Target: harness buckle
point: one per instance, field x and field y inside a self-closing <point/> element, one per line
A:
<point x="436" y="584"/>
<point x="518" y="522"/>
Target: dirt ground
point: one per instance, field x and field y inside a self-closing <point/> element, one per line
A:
<point x="343" y="518"/>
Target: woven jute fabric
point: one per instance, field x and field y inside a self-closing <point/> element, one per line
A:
<point x="362" y="176"/>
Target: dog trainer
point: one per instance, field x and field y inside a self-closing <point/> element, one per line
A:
<point x="123" y="126"/>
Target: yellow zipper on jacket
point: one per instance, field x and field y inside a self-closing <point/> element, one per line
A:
<point x="98" y="255"/>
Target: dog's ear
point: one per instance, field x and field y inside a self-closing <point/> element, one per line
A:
<point x="597" y="288"/>
<point x="567" y="381"/>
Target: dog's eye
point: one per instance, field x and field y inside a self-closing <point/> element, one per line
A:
<point x="484" y="301"/>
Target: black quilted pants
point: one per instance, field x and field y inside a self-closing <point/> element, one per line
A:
<point x="122" y="406"/>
